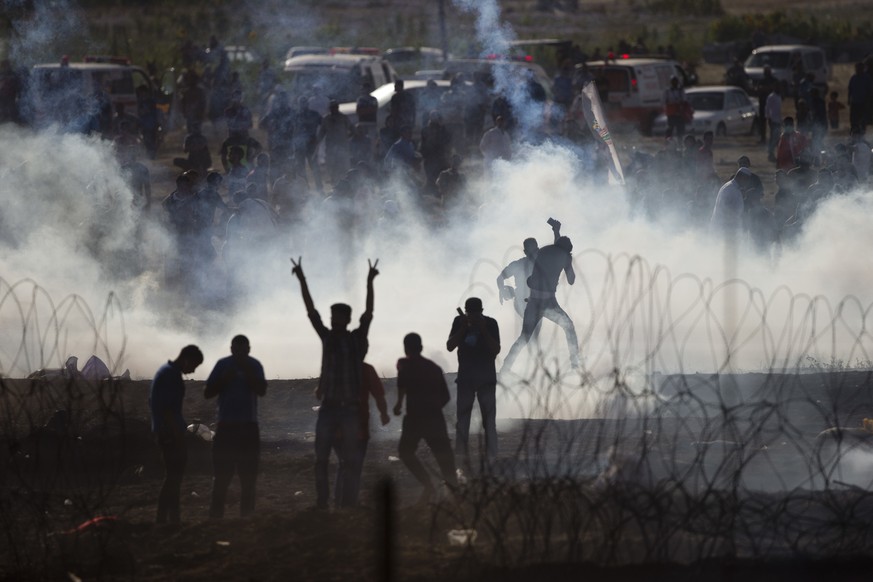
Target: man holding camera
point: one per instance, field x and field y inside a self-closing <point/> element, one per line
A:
<point x="477" y="338"/>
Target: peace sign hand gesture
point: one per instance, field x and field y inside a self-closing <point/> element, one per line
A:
<point x="297" y="268"/>
<point x="373" y="270"/>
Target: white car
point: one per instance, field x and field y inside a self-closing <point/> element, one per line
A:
<point x="724" y="110"/>
<point x="384" y="94"/>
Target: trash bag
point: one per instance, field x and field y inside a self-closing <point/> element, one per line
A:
<point x="95" y="370"/>
<point x="201" y="431"/>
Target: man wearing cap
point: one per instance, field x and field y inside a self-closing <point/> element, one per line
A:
<point x="477" y="338"/>
<point x="339" y="389"/>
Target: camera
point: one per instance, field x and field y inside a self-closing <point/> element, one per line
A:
<point x="553" y="223"/>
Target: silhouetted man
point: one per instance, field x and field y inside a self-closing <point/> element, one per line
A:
<point x="422" y="383"/>
<point x="477" y="338"/>
<point x="339" y="389"/>
<point x="543" y="282"/>
<point x="371" y="385"/>
<point x="168" y="425"/>
<point x="237" y="380"/>
<point x="403" y="104"/>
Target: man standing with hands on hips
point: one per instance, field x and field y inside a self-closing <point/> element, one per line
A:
<point x="477" y="338"/>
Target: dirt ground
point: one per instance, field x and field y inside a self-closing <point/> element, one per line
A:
<point x="529" y="510"/>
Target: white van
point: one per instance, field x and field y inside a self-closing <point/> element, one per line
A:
<point x="339" y="75"/>
<point x="782" y="59"/>
<point x="62" y="92"/>
<point x="632" y="89"/>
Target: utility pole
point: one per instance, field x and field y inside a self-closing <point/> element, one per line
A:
<point x="444" y="42"/>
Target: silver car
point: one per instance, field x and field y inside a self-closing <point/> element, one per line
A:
<point x="724" y="110"/>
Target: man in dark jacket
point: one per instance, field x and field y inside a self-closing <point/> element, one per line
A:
<point x="477" y="338"/>
<point x="423" y="384"/>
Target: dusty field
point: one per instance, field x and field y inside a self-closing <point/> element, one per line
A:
<point x="540" y="514"/>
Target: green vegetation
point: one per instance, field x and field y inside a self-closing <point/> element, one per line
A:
<point x="686" y="7"/>
<point x="800" y="24"/>
<point x="152" y="31"/>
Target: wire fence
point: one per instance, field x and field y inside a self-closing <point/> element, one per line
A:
<point x="707" y="421"/>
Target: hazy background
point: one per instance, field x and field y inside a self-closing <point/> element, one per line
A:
<point x="649" y="297"/>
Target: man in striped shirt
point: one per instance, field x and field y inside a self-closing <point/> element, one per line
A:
<point x="339" y="389"/>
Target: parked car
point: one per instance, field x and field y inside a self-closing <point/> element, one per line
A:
<point x="632" y="89"/>
<point x="299" y="51"/>
<point x="722" y="109"/>
<point x="63" y="92"/>
<point x="409" y="59"/>
<point x="384" y="94"/>
<point x="339" y="75"/>
<point x="782" y="60"/>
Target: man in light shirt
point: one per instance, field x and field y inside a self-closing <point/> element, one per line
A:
<point x="495" y="145"/>
<point x="773" y="114"/>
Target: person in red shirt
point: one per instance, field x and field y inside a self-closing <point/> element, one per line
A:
<point x="423" y="384"/>
<point x="371" y="385"/>
<point x="792" y="145"/>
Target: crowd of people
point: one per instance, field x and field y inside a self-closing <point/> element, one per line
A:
<point x="680" y="182"/>
<point x="316" y="154"/>
<point x="314" y="157"/>
<point x="346" y="384"/>
<point x="230" y="200"/>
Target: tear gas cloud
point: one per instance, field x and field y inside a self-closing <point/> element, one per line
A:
<point x="650" y="296"/>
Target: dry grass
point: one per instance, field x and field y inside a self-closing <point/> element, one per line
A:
<point x="152" y="31"/>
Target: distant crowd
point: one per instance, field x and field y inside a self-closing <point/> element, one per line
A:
<point x="230" y="199"/>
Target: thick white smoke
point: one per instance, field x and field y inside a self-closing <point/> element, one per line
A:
<point x="648" y="297"/>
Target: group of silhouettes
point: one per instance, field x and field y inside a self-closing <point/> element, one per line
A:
<point x="346" y="384"/>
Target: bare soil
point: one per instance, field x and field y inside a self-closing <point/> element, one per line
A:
<point x="109" y="466"/>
